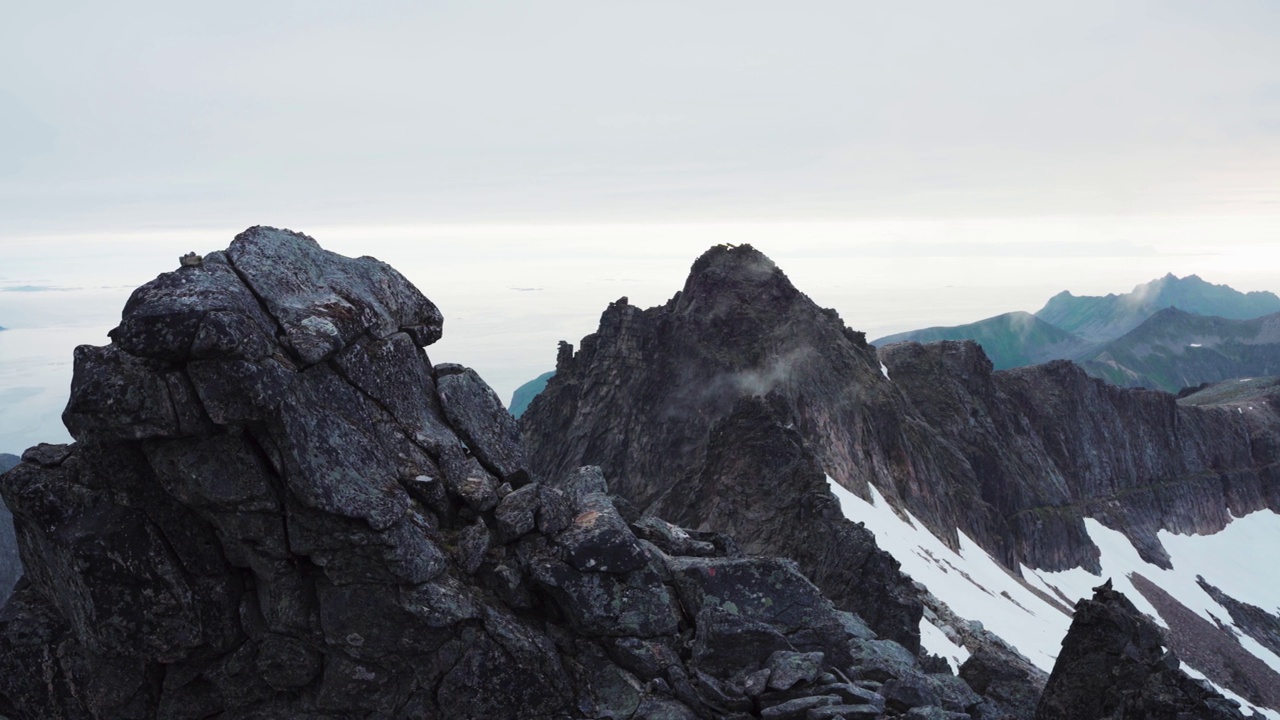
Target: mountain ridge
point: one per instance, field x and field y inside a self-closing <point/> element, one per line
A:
<point x="1091" y="329"/>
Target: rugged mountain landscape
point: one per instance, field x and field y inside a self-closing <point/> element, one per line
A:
<point x="1020" y="462"/>
<point x="1168" y="334"/>
<point x="277" y="507"/>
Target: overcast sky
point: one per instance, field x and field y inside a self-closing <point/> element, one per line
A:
<point x="133" y="115"/>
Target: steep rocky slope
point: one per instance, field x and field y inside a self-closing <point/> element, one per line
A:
<point x="277" y="507"/>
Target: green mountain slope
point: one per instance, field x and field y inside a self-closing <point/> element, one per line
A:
<point x="1174" y="349"/>
<point x="1010" y="340"/>
<point x="1101" y="318"/>
<point x="525" y="394"/>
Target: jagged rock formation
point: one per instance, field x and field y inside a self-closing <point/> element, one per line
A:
<point x="276" y="507"/>
<point x="1114" y="665"/>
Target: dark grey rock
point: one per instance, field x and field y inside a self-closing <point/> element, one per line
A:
<point x="787" y="668"/>
<point x="46" y="455"/>
<point x="115" y="396"/>
<point x="582" y="481"/>
<point x="473" y="543"/>
<point x="323" y="301"/>
<point x="634" y="604"/>
<point x="515" y="514"/>
<point x="332" y="452"/>
<point x="117" y="581"/>
<point x="554" y="511"/>
<point x="935" y="713"/>
<point x="670" y="538"/>
<point x="480" y="419"/>
<point x="599" y="540"/>
<point x="753" y="588"/>
<point x="163" y="319"/>
<point x="755" y="683"/>
<point x="846" y="712"/>
<point x="285" y="662"/>
<point x="797" y="709"/>
<point x="647" y="658"/>
<point x="880" y="660"/>
<point x="851" y="694"/>
<point x="660" y="708"/>
<point x="726" y="641"/>
<point x="1013" y="685"/>
<point x="902" y="694"/>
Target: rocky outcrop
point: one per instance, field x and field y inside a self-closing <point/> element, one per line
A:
<point x="277" y="507"/>
<point x="1114" y="664"/>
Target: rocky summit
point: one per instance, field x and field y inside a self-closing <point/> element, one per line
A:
<point x="1114" y="665"/>
<point x="276" y="506"/>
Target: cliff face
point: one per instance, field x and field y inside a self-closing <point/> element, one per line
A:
<point x="1014" y="459"/>
<point x="276" y="507"/>
<point x="1053" y="445"/>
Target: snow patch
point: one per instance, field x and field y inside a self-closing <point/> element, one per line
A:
<point x="936" y="642"/>
<point x="971" y="582"/>
<point x="978" y="588"/>
<point x="885" y="371"/>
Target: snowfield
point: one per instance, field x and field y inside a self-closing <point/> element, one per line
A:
<point x="978" y="588"/>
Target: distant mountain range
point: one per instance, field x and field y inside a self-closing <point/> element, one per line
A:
<point x="1167" y="334"/>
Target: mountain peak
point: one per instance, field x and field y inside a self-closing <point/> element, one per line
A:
<point x="734" y="276"/>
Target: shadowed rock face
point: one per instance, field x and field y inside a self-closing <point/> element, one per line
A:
<point x="276" y="507"/>
<point x="1114" y="665"/>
